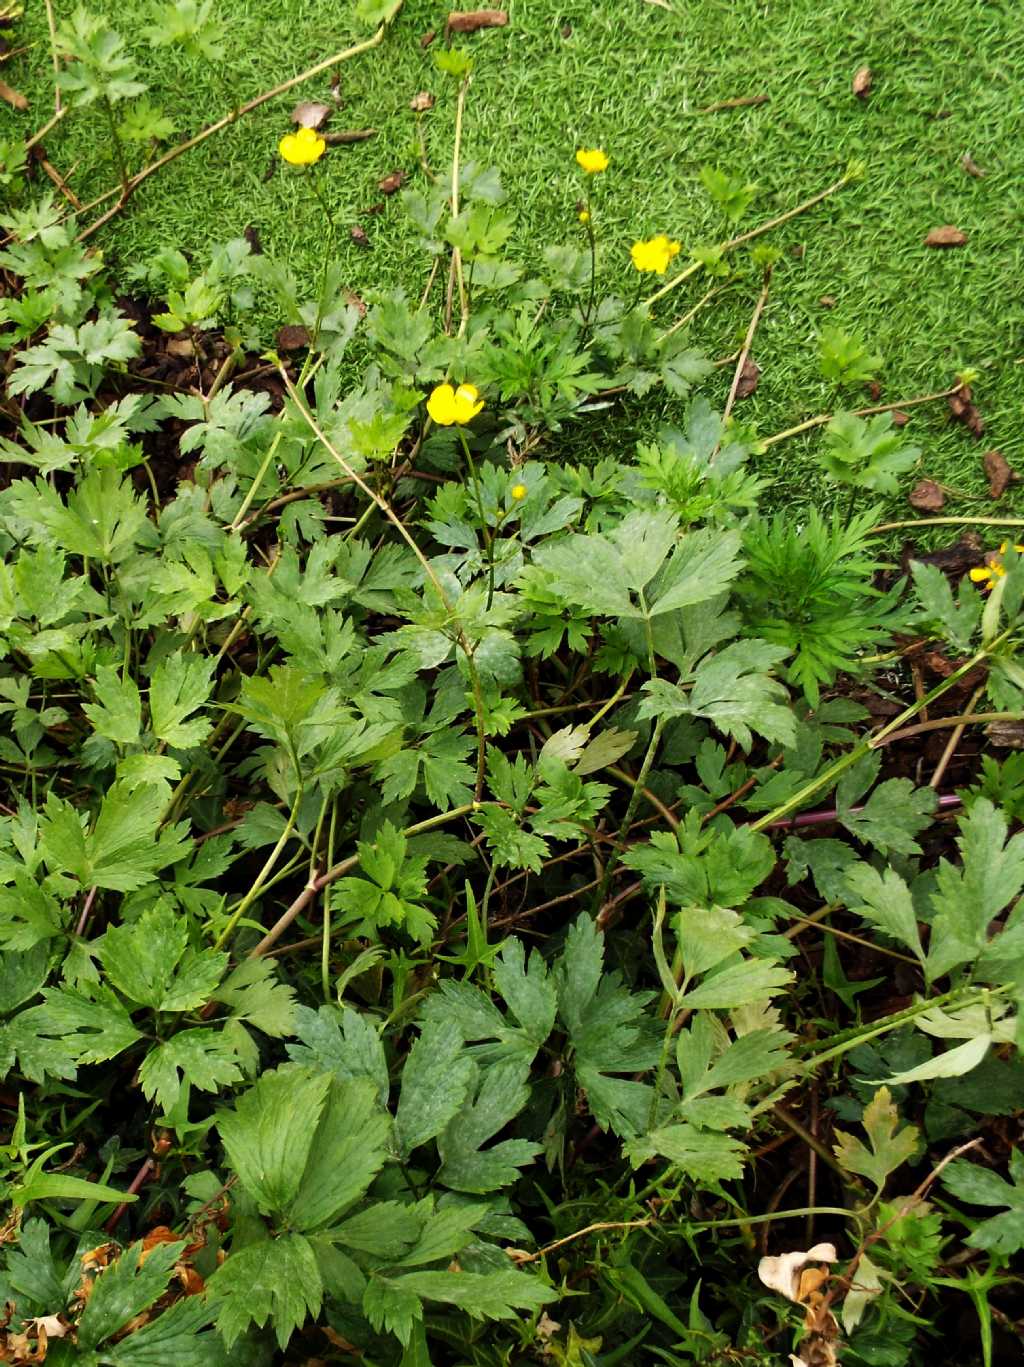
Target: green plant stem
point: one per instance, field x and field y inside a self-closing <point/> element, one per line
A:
<point x="460" y="107"/>
<point x="254" y="487"/>
<point x="325" y="938"/>
<point x="947" y="522"/>
<point x="853" y="1038"/>
<point x="327" y="250"/>
<point x="627" y="820"/>
<point x="750" y="235"/>
<point x="403" y="531"/>
<point x="592" y="240"/>
<point x="339" y="870"/>
<point x="263" y="874"/>
<point x="485" y="529"/>
<point x="829" y="776"/>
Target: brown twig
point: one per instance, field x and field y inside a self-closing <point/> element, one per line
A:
<point x="748" y="342"/>
<point x="55" y="176"/>
<point x="821" y="418"/>
<point x="519" y="1257"/>
<point x="133" y="182"/>
<point x="940" y="723"/>
<point x="955" y="738"/>
<point x="136" y="1182"/>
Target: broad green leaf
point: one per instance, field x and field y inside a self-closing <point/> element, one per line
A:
<point x="707" y="935"/>
<point x="180" y="685"/>
<point x="124" y="1289"/>
<point x="435" y="1081"/>
<point x="894" y="814"/>
<point x="117" y="712"/>
<point x="953" y="1063"/>
<point x="252" y="993"/>
<point x="884" y="899"/>
<point x="445" y="1231"/>
<point x="276" y="1280"/>
<point x="172" y="1337"/>
<point x="204" y="1058"/>
<point x="269" y="1133"/>
<point x="890" y="1146"/>
<point x="704" y="563"/>
<point x="703" y="1155"/>
<point x="1001" y="1234"/>
<point x="145" y="962"/>
<point x="969" y="898"/>
<point x="344" y="1043"/>
<point x="346" y="1154"/>
<point x="738" y="985"/>
<point x="466" y="1166"/>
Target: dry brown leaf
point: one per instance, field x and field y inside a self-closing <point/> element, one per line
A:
<point x="862" y="82"/>
<point x="926" y="496"/>
<point x="358" y="236"/>
<point x="971" y="166"/>
<point x="428" y="38"/>
<point x="782" y="1273"/>
<point x="999" y="472"/>
<point x="311" y="114"/>
<point x="566" y="30"/>
<point x="181" y="347"/>
<point x="357" y="303"/>
<point x="899" y="418"/>
<point x="749" y="376"/>
<point x="13" y="97"/>
<point x="389" y="184"/>
<point x="827" y="301"/>
<point x="475" y="19"/>
<point x="292" y="337"/>
<point x="965" y="411"/>
<point x="420" y="103"/>
<point x="945" y="236"/>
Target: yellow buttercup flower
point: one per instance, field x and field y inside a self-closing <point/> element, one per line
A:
<point x="654" y="254"/>
<point x="448" y="406"/>
<point x="584" y="215"/>
<point x="592" y="160"/>
<point x="994" y="568"/>
<point x="302" y="148"/>
<point x="518" y="492"/>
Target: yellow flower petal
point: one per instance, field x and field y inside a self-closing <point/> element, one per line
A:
<point x="981" y="574"/>
<point x="592" y="159"/>
<point x="654" y="255"/>
<point x="584" y="215"/>
<point x="302" y="148"/>
<point x="448" y="406"/>
<point x="518" y="492"/>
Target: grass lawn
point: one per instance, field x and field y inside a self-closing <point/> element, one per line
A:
<point x="632" y="77"/>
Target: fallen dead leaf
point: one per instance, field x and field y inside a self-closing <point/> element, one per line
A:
<point x="999" y="472"/>
<point x="52" y="1326"/>
<point x="875" y="390"/>
<point x="798" y="251"/>
<point x="749" y="376"/>
<point x="358" y="236"/>
<point x="389" y="184"/>
<point x="311" y="114"/>
<point x="420" y="103"/>
<point x="181" y="347"/>
<point x="566" y="30"/>
<point x="13" y="97"/>
<point x="945" y="236"/>
<point x="899" y="418"/>
<point x="971" y="166"/>
<point x="1009" y="735"/>
<point x="783" y="1273"/>
<point x="292" y="337"/>
<point x="357" y="303"/>
<point x="965" y="411"/>
<point x="474" y="20"/>
<point x="428" y="38"/>
<point x="862" y="82"/>
<point x="926" y="496"/>
<point x="827" y="301"/>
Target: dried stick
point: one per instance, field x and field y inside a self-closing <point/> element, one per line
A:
<point x="135" y="181"/>
<point x="821" y="418"/>
<point x="748" y="342"/>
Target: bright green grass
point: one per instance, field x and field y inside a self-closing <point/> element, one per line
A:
<point x="629" y="77"/>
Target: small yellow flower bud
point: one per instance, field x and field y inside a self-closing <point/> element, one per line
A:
<point x="584" y="215"/>
<point x="518" y="492"/>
